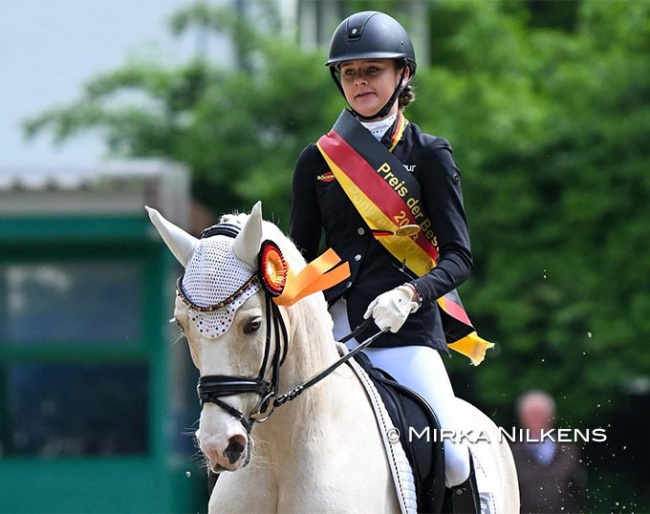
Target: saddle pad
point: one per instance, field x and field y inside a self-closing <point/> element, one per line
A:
<point x="397" y="460"/>
<point x="418" y="429"/>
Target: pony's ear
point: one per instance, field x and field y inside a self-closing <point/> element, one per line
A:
<point x="247" y="244"/>
<point x="177" y="240"/>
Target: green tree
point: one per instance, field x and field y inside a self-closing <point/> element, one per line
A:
<point x="556" y="186"/>
<point x="569" y="243"/>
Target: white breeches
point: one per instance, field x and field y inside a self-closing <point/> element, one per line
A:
<point x="421" y="369"/>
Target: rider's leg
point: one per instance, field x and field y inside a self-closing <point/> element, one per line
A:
<point x="419" y="368"/>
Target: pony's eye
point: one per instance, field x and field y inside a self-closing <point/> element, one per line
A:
<point x="252" y="325"/>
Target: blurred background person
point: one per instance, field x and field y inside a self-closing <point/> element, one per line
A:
<point x="552" y="478"/>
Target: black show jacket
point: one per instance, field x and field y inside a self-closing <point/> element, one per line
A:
<point x="320" y="204"/>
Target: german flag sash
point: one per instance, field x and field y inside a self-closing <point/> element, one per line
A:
<point x="389" y="199"/>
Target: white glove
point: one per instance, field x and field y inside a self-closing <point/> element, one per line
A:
<point x="390" y="309"/>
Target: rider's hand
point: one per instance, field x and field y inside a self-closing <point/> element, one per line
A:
<point x="390" y="309"/>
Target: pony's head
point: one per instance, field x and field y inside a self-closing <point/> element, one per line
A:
<point x="226" y="317"/>
<point x="235" y="331"/>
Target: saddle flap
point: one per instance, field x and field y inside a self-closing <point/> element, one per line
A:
<point x="419" y="434"/>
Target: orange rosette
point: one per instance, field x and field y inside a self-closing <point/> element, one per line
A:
<point x="272" y="268"/>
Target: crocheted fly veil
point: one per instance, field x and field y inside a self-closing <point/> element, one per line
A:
<point x="215" y="284"/>
<point x="230" y="263"/>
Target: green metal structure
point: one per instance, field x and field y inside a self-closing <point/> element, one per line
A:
<point x="96" y="400"/>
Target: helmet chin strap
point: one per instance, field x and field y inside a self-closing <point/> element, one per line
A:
<point x="383" y="112"/>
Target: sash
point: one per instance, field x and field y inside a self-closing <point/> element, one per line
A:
<point x="389" y="199"/>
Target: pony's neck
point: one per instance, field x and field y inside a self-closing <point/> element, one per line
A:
<point x="300" y="431"/>
<point x="311" y="347"/>
<point x="311" y="350"/>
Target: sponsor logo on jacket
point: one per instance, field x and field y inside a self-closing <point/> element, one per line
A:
<point x="326" y="177"/>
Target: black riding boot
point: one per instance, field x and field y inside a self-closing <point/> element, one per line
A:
<point x="464" y="498"/>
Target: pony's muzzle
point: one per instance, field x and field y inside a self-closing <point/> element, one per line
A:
<point x="225" y="454"/>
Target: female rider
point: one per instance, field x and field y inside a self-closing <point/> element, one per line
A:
<point x="372" y="61"/>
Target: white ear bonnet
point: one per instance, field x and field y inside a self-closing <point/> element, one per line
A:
<point x="212" y="285"/>
<point x="231" y="262"/>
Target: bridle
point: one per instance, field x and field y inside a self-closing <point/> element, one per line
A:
<point x="212" y="388"/>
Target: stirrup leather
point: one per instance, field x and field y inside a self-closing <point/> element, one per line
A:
<point x="465" y="497"/>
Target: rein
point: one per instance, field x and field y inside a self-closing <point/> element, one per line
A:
<point x="296" y="391"/>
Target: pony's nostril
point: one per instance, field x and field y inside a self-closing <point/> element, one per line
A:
<point x="236" y="446"/>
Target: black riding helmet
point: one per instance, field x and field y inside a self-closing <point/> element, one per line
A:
<point x="371" y="35"/>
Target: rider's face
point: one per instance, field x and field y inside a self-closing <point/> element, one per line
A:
<point x="368" y="84"/>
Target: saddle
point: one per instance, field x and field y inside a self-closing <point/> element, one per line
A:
<point x="419" y="434"/>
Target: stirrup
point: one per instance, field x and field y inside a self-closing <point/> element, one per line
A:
<point x="464" y="498"/>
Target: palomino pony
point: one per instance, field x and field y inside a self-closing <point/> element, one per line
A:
<point x="322" y="450"/>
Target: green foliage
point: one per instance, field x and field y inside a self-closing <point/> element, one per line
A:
<point x="573" y="212"/>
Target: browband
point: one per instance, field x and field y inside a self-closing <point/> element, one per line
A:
<point x="221" y="229"/>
